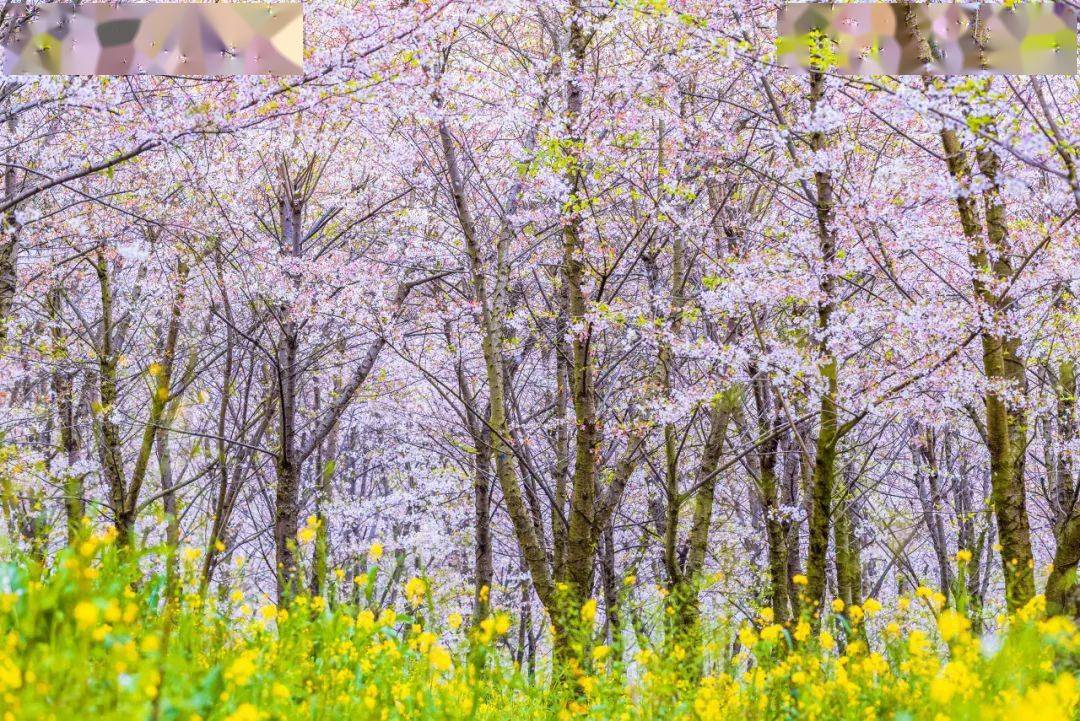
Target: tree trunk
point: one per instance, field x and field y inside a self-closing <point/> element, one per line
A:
<point x="1062" y="587"/>
<point x="109" y="451"/>
<point x="9" y="254"/>
<point x="483" y="560"/>
<point x="924" y="454"/>
<point x="160" y="387"/>
<point x="491" y="343"/>
<point x="287" y="499"/>
<point x="828" y="430"/>
<point x="63" y="393"/>
<point x="583" y="530"/>
<point x="768" y="429"/>
<point x="1006" y="427"/>
<point x="612" y="622"/>
<point x="792" y="482"/>
<point x="848" y="560"/>
<point x="326" y="463"/>
<point x="684" y="629"/>
<point x="1010" y="500"/>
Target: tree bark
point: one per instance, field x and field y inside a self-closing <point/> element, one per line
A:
<point x="768" y="428"/>
<point x="828" y="429"/>
<point x="110" y="455"/>
<point x="583" y="527"/>
<point x="63" y="393"/>
<point x="1062" y="587"/>
<point x="9" y="253"/>
<point x="1006" y="427"/>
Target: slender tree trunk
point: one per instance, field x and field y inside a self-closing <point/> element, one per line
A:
<point x="164" y="460"/>
<point x="220" y="513"/>
<point x="792" y="482"/>
<point x="925" y="455"/>
<point x="1016" y="548"/>
<point x="491" y="344"/>
<point x="612" y="622"/>
<point x="583" y="531"/>
<point x="684" y="627"/>
<point x="63" y="393"/>
<point x="9" y="254"/>
<point x="1063" y="586"/>
<point x="828" y="430"/>
<point x="768" y="428"/>
<point x="1006" y="427"/>
<point x="287" y="498"/>
<point x="484" y="562"/>
<point x="561" y="440"/>
<point x="848" y="560"/>
<point x="326" y="465"/>
<point x="172" y="515"/>
<point x="161" y="374"/>
<point x="110" y="454"/>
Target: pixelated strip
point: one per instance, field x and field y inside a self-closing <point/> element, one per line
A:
<point x="152" y="39"/>
<point x="928" y="38"/>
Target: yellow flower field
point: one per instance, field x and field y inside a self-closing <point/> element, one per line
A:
<point x="89" y="637"/>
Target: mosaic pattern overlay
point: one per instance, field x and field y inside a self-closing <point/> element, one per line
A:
<point x="152" y="39"/>
<point x="959" y="38"/>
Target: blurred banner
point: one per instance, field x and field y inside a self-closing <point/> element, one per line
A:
<point x="928" y="38"/>
<point x="152" y="39"/>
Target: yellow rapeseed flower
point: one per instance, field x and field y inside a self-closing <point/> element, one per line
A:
<point x="86" y="614"/>
<point x="415" y="590"/>
<point x="244" y="712"/>
<point x="306" y="534"/>
<point x="439" y="658"/>
<point x="918" y="643"/>
<point x="365" y="620"/>
<point x="771" y="633"/>
<point x="242" y="669"/>
<point x="952" y="625"/>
